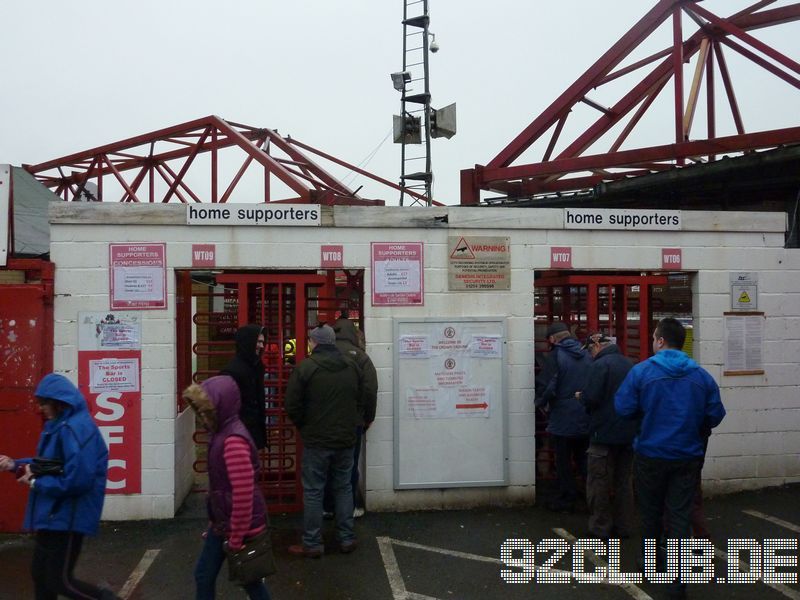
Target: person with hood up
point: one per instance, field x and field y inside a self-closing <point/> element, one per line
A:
<point x="236" y="507"/>
<point x="564" y="373"/>
<point x="248" y="371"/>
<point x="324" y="399"/>
<point x="65" y="504"/>
<point x="350" y="343"/>
<point x="678" y="403"/>
<point x="609" y="493"/>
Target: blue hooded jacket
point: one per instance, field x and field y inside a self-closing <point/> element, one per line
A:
<point x="679" y="404"/>
<point x="72" y="501"/>
<point x="564" y="373"/>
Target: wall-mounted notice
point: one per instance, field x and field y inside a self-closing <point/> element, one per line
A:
<point x="744" y="340"/>
<point x="450" y="413"/>
<point x="744" y="291"/>
<point x="138" y="276"/>
<point x="109" y="380"/>
<point x="397" y="277"/>
<point x="478" y="263"/>
<point x="413" y="346"/>
<point x="109" y="331"/>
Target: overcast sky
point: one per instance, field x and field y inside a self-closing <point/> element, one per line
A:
<point x="77" y="75"/>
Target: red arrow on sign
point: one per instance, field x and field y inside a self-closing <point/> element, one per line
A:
<point x="482" y="405"/>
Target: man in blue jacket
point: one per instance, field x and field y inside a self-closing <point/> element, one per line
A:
<point x="65" y="501"/>
<point x="677" y="401"/>
<point x="564" y="373"/>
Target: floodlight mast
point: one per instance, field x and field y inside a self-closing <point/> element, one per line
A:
<point x="415" y="108"/>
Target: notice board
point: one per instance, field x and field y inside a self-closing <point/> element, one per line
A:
<point x="449" y="403"/>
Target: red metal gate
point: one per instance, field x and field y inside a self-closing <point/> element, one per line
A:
<point x="26" y="355"/>
<point x="286" y="305"/>
<point x="619" y="305"/>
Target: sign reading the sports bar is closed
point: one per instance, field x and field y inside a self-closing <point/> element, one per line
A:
<point x="622" y="218"/>
<point x="272" y="214"/>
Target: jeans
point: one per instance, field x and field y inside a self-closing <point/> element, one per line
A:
<point x="568" y="449"/>
<point x="317" y="464"/>
<point x="208" y="566"/>
<point x="358" y="500"/>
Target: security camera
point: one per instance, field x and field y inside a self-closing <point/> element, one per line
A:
<point x="434" y="46"/>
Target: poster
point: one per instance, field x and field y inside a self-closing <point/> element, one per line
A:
<point x="413" y="346"/>
<point x="110" y="382"/>
<point x="451" y="384"/>
<point x="109" y="331"/>
<point x="744" y="341"/>
<point x="397" y="277"/>
<point x="138" y="276"/>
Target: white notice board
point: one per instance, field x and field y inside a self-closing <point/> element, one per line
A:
<point x="449" y="403"/>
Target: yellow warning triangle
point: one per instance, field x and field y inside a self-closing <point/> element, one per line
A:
<point x="744" y="298"/>
<point x="462" y="250"/>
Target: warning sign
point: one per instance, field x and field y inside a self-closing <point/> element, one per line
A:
<point x="744" y="291"/>
<point x="478" y="263"/>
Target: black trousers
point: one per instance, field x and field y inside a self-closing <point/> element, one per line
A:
<point x="567" y="450"/>
<point x="54" y="558"/>
<point x="665" y="486"/>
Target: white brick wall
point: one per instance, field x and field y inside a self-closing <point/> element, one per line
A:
<point x="757" y="445"/>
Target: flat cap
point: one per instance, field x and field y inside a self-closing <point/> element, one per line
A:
<point x="555" y="328"/>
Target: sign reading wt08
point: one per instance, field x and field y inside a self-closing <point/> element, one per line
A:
<point x="478" y="263"/>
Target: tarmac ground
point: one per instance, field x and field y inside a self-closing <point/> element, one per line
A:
<point x="442" y="555"/>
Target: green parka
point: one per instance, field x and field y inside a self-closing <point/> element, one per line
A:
<point x="347" y="340"/>
<point x="324" y="399"/>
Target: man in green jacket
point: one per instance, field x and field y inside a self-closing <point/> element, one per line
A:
<point x="351" y="342"/>
<point x="325" y="401"/>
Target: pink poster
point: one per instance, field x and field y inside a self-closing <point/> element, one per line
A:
<point x="138" y="276"/>
<point x="397" y="276"/>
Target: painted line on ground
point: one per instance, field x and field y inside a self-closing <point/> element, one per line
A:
<point x="137" y="574"/>
<point x="744" y="566"/>
<point x="396" y="583"/>
<point x="771" y="519"/>
<point x="631" y="589"/>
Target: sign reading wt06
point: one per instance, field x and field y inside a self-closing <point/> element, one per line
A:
<point x="478" y="263"/>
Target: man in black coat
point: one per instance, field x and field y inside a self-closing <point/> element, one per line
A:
<point x="248" y="371"/>
<point x="609" y="491"/>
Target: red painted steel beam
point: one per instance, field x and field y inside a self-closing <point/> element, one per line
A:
<point x="643" y="94"/>
<point x="585" y="83"/>
<point x="733" y="143"/>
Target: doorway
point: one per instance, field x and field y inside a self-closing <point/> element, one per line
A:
<point x="623" y="305"/>
<point x="213" y="305"/>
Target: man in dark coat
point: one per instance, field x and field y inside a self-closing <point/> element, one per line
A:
<point x="609" y="492"/>
<point x="563" y="374"/>
<point x="248" y="371"/>
<point x="324" y="400"/>
<point x="349" y="343"/>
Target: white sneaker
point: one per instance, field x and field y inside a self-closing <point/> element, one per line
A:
<point x="358" y="512"/>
